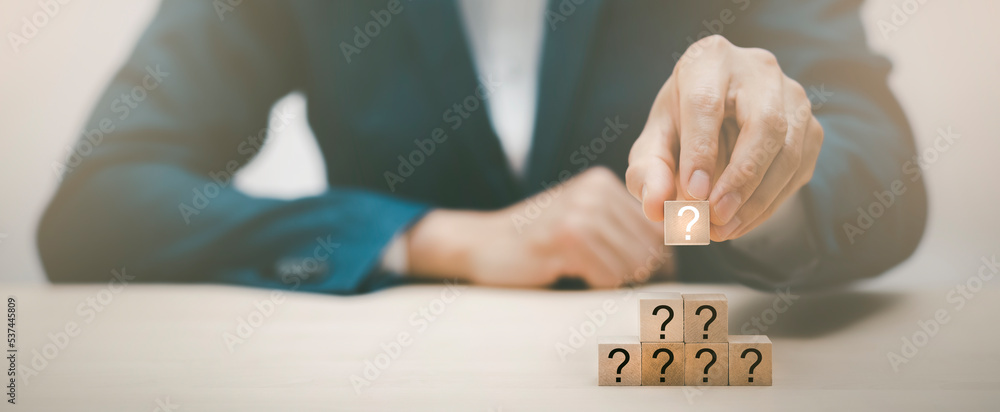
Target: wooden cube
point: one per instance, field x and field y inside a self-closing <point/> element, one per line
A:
<point x="619" y="361"/>
<point x="706" y="364"/>
<point x="661" y="317"/>
<point x="685" y="223"/>
<point x="749" y="360"/>
<point x="706" y="318"/>
<point x="662" y="364"/>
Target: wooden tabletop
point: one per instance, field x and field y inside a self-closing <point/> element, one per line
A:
<point x="214" y="348"/>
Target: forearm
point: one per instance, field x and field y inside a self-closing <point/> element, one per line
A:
<point x="149" y="219"/>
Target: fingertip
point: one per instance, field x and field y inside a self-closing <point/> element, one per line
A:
<point x="699" y="186"/>
<point x="634" y="181"/>
<point x="720" y="233"/>
<point x="713" y="234"/>
<point x="652" y="211"/>
<point x="726" y="207"/>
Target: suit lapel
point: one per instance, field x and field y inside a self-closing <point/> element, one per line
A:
<point x="566" y="46"/>
<point x="448" y="65"/>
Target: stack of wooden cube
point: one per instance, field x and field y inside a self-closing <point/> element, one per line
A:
<point x="684" y="340"/>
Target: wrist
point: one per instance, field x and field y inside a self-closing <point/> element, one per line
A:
<point x="441" y="244"/>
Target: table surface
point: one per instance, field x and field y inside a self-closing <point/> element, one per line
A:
<point x="477" y="349"/>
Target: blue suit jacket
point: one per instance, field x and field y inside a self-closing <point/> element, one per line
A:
<point x="154" y="197"/>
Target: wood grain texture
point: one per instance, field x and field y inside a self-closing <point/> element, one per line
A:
<point x="677" y="215"/>
<point x="744" y="352"/>
<point x="619" y="361"/>
<point x="698" y="356"/>
<point x="662" y="364"/>
<point x="698" y="310"/>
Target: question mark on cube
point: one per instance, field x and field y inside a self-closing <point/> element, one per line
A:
<point x="706" y="317"/>
<point x="754" y="365"/>
<point x="706" y="364"/>
<point x="686" y="223"/>
<point x="750" y="360"/>
<point x="710" y="363"/>
<point x="709" y="321"/>
<point x="670" y="317"/>
<point x="670" y="359"/>
<point x="620" y="365"/>
<point x="615" y="364"/>
<point x="662" y="363"/>
<point x="661" y="317"/>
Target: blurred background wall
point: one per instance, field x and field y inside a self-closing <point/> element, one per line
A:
<point x="947" y="75"/>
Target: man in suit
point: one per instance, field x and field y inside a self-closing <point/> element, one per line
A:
<point x="489" y="141"/>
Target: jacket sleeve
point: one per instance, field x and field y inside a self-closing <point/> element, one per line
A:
<point x="148" y="189"/>
<point x="866" y="204"/>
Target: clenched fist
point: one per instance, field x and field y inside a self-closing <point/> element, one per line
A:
<point x="588" y="227"/>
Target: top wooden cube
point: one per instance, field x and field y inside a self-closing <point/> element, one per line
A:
<point x="706" y="318"/>
<point x="661" y="317"/>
